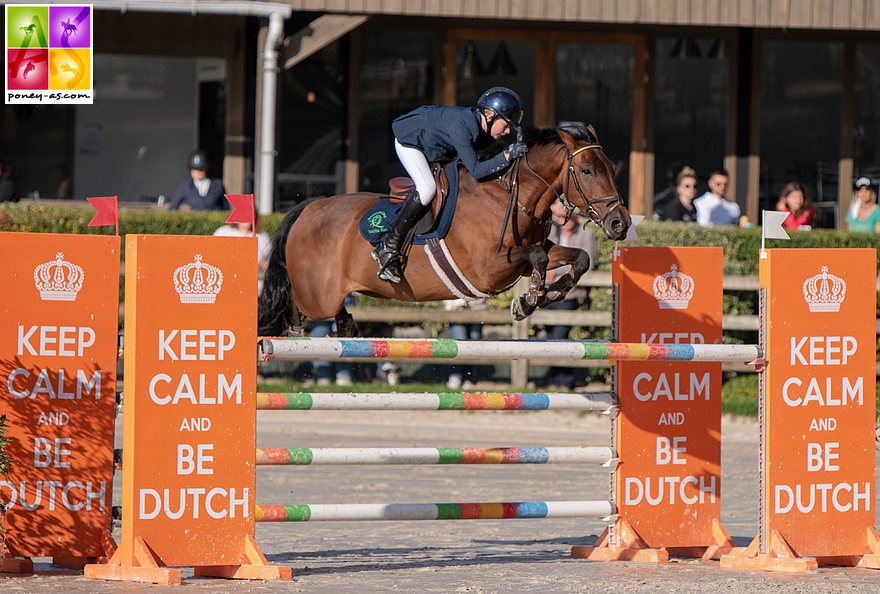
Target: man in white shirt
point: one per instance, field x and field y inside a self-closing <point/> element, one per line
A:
<point x="713" y="207"/>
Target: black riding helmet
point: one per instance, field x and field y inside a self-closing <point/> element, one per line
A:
<point x="503" y="102"/>
<point x="197" y="160"/>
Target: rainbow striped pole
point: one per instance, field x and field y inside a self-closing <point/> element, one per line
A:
<point x="433" y="511"/>
<point x="382" y="456"/>
<point x="602" y="401"/>
<point x="343" y="348"/>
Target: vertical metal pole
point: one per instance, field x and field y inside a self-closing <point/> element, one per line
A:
<point x="267" y="122"/>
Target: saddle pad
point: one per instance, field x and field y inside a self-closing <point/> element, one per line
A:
<point x="379" y="220"/>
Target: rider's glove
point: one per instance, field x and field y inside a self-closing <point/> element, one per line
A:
<point x="517" y="150"/>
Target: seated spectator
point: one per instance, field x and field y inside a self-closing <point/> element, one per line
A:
<point x="200" y="192"/>
<point x="682" y="208"/>
<point x="714" y="207"/>
<point x="264" y="244"/>
<point x="867" y="219"/>
<point x="794" y="200"/>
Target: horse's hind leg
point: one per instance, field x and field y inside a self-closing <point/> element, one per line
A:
<point x="296" y="324"/>
<point x="345" y="326"/>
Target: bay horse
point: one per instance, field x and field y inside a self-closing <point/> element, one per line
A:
<point x="319" y="256"/>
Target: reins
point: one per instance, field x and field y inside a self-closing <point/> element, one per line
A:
<point x="514" y="172"/>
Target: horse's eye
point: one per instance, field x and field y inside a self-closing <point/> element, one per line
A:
<point x="586" y="171"/>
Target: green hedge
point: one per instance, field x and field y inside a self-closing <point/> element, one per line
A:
<point x="38" y="218"/>
<point x="741" y="246"/>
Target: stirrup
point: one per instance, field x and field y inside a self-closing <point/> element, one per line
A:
<point x="392" y="258"/>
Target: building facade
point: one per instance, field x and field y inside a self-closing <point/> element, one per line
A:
<point x="774" y="91"/>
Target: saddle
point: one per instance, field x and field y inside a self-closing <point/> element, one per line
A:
<point x="377" y="222"/>
<point x="402" y="186"/>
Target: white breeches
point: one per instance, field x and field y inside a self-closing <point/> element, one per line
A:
<point x="416" y="164"/>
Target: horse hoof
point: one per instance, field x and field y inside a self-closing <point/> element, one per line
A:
<point x="516" y="311"/>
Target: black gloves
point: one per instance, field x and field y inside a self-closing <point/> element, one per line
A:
<point x="517" y="150"/>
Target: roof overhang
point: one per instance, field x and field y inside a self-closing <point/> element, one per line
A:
<point x="193" y="7"/>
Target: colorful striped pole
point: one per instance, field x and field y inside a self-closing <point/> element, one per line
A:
<point x="433" y="511"/>
<point x="382" y="456"/>
<point x="342" y="348"/>
<point x="602" y="401"/>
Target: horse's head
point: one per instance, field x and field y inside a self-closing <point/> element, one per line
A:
<point x="589" y="182"/>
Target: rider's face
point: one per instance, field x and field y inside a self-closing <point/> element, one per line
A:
<point x="499" y="128"/>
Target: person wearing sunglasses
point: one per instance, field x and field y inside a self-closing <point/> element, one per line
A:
<point x="714" y="207"/>
<point x="683" y="209"/>
<point x="430" y="132"/>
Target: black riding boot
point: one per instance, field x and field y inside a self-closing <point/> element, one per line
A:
<point x="389" y="252"/>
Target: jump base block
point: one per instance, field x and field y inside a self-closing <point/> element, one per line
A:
<point x="631" y="547"/>
<point x="779" y="557"/>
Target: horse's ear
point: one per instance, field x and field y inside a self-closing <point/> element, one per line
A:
<point x="568" y="139"/>
<point x="592" y="132"/>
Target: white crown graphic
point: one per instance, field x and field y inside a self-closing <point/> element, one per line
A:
<point x="198" y="282"/>
<point x="58" y="280"/>
<point x="674" y="289"/>
<point x="824" y="292"/>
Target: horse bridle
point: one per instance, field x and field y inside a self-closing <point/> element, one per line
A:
<point x="569" y="207"/>
<point x="591" y="212"/>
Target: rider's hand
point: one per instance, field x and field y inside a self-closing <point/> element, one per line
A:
<point x="515" y="151"/>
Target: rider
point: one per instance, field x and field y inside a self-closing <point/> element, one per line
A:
<point x="430" y="132"/>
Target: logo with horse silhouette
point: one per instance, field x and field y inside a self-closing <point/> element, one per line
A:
<point x="49" y="54"/>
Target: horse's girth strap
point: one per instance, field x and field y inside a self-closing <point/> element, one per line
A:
<point x="448" y="272"/>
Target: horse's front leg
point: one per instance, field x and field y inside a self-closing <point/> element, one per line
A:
<point x="523" y="306"/>
<point x="578" y="259"/>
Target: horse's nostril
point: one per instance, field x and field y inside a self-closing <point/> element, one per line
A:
<point x="617" y="226"/>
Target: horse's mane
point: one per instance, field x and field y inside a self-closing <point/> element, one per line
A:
<point x="533" y="136"/>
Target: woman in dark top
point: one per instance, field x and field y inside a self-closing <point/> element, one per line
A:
<point x="683" y="209"/>
<point x="430" y="132"/>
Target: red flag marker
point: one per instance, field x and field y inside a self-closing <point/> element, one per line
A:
<point x="108" y="212"/>
<point x="242" y="210"/>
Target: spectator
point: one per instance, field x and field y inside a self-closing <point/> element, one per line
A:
<point x="868" y="217"/>
<point x="570" y="234"/>
<point x="8" y="191"/>
<point x="855" y="204"/>
<point x="200" y="192"/>
<point x="665" y="197"/>
<point x="794" y="200"/>
<point x="713" y="207"/>
<point x="264" y="244"/>
<point x="682" y="208"/>
<point x="320" y="329"/>
<point x="461" y="377"/>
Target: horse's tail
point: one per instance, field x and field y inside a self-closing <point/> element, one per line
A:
<point x="275" y="306"/>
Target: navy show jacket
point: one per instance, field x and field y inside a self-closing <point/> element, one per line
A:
<point x="213" y="200"/>
<point x="439" y="131"/>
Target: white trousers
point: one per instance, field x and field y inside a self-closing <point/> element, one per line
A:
<point x="416" y="164"/>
